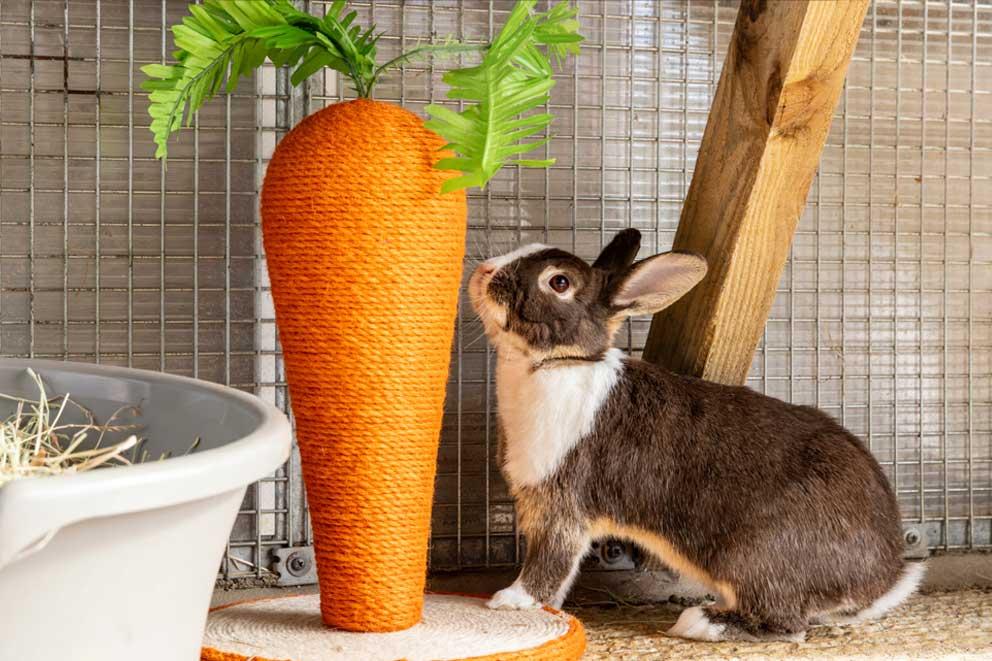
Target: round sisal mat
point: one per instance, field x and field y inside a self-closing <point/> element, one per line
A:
<point x="453" y="627"/>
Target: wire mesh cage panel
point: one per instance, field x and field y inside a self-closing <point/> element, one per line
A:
<point x="883" y="316"/>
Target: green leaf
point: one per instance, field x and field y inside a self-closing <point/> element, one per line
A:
<point x="283" y="36"/>
<point x="505" y="91"/>
<point x="255" y="59"/>
<point x="194" y="41"/>
<point x="251" y="14"/>
<point x="315" y="60"/>
<point x="558" y="30"/>
<point x="452" y="163"/>
<point x="532" y="163"/>
<point x="221" y="40"/>
<point x="465" y="181"/>
<point x="288" y="57"/>
<point x="237" y="62"/>
<point x="205" y="18"/>
<point x="336" y="8"/>
<point x="159" y="71"/>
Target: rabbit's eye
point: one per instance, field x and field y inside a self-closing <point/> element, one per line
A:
<point x="559" y="283"/>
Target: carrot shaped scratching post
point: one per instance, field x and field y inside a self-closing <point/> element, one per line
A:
<point x="363" y="221"/>
<point x="364" y="257"/>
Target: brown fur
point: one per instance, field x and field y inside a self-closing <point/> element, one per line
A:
<point x="545" y="323"/>
<point x="776" y="501"/>
<point x="779" y="509"/>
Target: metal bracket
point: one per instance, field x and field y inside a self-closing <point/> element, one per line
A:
<point x="918" y="537"/>
<point x="295" y="566"/>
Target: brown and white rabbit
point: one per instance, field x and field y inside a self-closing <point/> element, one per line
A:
<point x="783" y="514"/>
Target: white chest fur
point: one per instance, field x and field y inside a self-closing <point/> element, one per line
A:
<point x="544" y="413"/>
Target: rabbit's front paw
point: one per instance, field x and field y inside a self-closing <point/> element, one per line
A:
<point x="514" y="597"/>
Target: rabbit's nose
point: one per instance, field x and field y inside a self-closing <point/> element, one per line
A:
<point x="486" y="269"/>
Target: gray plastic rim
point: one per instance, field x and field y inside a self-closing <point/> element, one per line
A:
<point x="33" y="510"/>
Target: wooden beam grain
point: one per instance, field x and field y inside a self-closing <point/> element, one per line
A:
<point x="781" y="80"/>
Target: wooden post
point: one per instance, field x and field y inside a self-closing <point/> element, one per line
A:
<point x="783" y="74"/>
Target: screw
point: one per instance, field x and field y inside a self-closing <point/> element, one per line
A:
<point x="613" y="552"/>
<point x="912" y="537"/>
<point x="297" y="564"/>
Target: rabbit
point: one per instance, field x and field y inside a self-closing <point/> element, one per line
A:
<point x="778" y="510"/>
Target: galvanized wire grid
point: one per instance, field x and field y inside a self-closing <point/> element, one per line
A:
<point x="883" y="318"/>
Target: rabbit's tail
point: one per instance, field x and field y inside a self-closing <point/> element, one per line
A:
<point x="907" y="584"/>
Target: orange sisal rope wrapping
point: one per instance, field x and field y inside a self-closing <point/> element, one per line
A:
<point x="365" y="258"/>
<point x="570" y="646"/>
<point x="567" y="647"/>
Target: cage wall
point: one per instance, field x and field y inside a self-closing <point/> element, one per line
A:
<point x="883" y="316"/>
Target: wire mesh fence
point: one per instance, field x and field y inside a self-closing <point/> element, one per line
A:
<point x="883" y="316"/>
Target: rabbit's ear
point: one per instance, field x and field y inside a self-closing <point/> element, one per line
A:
<point x="620" y="253"/>
<point x="656" y="282"/>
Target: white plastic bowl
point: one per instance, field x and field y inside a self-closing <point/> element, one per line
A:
<point x="118" y="564"/>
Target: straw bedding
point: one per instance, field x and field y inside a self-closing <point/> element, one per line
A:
<point x="942" y="625"/>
